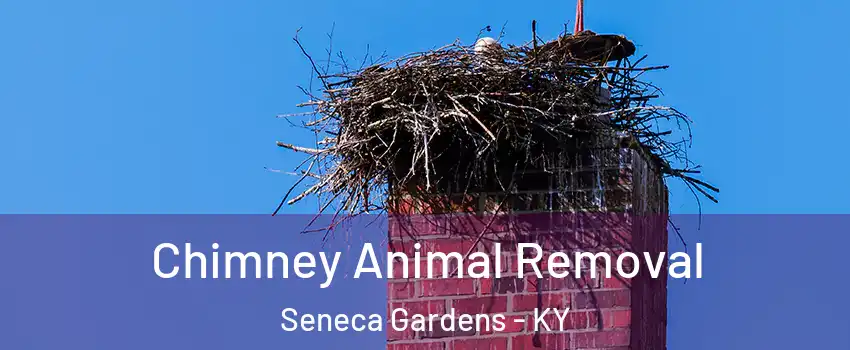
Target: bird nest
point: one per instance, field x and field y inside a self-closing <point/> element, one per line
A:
<point x="455" y="120"/>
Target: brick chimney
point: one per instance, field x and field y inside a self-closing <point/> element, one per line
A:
<point x="603" y="199"/>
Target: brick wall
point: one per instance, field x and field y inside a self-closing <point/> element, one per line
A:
<point x="628" y="213"/>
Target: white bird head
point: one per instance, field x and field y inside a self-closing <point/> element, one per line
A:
<point x="486" y="43"/>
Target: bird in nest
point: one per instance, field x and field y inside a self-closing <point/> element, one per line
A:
<point x="489" y="51"/>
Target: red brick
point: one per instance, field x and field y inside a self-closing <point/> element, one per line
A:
<point x="533" y="284"/>
<point x="503" y="285"/>
<point x="398" y="269"/>
<point x="511" y="326"/>
<point x="404" y="246"/>
<point x="616" y="282"/>
<point x="485" y="343"/>
<point x="400" y="290"/>
<point x="611" y="318"/>
<point x="505" y="264"/>
<point x="443" y="245"/>
<point x="447" y="245"/>
<point x="553" y="341"/>
<point x="542" y="265"/>
<point x="602" y="299"/>
<point x="417" y="346"/>
<point x="405" y="334"/>
<point x="484" y="328"/>
<point x="481" y="305"/>
<point x="485" y="285"/>
<point x="602" y="339"/>
<point x="573" y="320"/>
<point x="601" y="308"/>
<point x="436" y="330"/>
<point x="428" y="307"/>
<point x="412" y="226"/>
<point x="446" y="287"/>
<point x="529" y="301"/>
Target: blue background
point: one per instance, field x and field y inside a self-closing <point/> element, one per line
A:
<point x="169" y="107"/>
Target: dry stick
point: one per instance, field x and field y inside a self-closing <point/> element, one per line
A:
<point x="468" y="113"/>
<point x="311" y="151"/>
<point x="314" y="188"/>
<point x="629" y="69"/>
<point x="633" y="109"/>
<point x="310" y="58"/>
<point x="448" y="64"/>
<point x="480" y="235"/>
<point x="534" y="35"/>
<point x="427" y="171"/>
<point x="286" y="196"/>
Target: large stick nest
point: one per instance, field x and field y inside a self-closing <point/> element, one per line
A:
<point x="451" y="120"/>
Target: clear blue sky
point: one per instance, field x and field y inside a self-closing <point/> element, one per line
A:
<point x="169" y="106"/>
